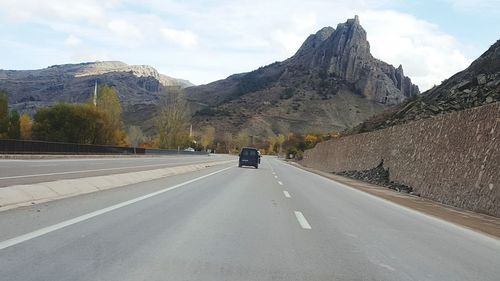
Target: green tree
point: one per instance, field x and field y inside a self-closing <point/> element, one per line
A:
<point x="4" y="115"/>
<point x="109" y="104"/>
<point x="14" y="131"/>
<point x="25" y="126"/>
<point x="71" y="123"/>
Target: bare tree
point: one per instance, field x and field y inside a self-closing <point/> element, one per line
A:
<point x="242" y="139"/>
<point x="228" y="141"/>
<point x="208" y="137"/>
<point x="172" y="121"/>
<point x="280" y="139"/>
<point x="135" y="136"/>
<point x="272" y="142"/>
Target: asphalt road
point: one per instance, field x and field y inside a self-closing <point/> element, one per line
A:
<point x="227" y="223"/>
<point x="14" y="172"/>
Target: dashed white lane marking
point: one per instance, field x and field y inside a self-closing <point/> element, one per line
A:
<point x="48" y="229"/>
<point x="275" y="177"/>
<point x="287" y="195"/>
<point x="386" y="266"/>
<point x="302" y="220"/>
<point x="274" y="173"/>
<point x="280" y="183"/>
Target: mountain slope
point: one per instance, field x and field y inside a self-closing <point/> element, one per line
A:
<point x="331" y="83"/>
<point x="139" y="87"/>
<point x="477" y="85"/>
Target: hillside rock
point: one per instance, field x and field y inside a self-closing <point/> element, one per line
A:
<point x="331" y="83"/>
<point x="99" y="68"/>
<point x="477" y="85"/>
<point x="140" y="88"/>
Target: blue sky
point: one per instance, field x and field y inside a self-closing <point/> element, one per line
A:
<point x="210" y="39"/>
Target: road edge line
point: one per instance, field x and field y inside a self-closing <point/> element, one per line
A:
<point x="477" y="232"/>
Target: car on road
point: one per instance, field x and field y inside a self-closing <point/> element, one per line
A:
<point x="249" y="156"/>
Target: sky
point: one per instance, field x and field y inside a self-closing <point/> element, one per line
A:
<point x="207" y="40"/>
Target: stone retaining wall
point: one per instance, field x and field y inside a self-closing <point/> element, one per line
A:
<point x="452" y="158"/>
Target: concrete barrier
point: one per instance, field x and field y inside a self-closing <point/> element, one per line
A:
<point x="24" y="195"/>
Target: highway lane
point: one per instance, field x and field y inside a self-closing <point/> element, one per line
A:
<point x="14" y="172"/>
<point x="274" y="223"/>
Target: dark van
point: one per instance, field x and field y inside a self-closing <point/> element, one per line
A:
<point x="249" y="157"/>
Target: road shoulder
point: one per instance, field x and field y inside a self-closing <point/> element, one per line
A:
<point x="475" y="221"/>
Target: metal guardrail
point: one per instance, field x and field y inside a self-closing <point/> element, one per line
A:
<point x="8" y="146"/>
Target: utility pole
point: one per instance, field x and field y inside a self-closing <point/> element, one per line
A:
<point x="95" y="94"/>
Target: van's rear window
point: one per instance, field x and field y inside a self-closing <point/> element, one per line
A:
<point x="248" y="152"/>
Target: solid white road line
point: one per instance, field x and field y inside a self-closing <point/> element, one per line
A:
<point x="48" y="229"/>
<point x="280" y="183"/>
<point x="302" y="220"/>
<point x="96" y="170"/>
<point x="287" y="195"/>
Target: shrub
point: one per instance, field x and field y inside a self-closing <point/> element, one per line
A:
<point x="287" y="93"/>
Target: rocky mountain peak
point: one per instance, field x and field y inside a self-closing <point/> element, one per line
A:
<point x="331" y="83"/>
<point x="489" y="62"/>
<point x="344" y="53"/>
<point x="348" y="46"/>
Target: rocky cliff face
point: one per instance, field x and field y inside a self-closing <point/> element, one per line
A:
<point x="105" y="67"/>
<point x="331" y="83"/>
<point x="475" y="86"/>
<point x="139" y="87"/>
<point x="345" y="53"/>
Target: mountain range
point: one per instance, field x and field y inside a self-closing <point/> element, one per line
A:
<point x="330" y="84"/>
<point x="140" y="87"/>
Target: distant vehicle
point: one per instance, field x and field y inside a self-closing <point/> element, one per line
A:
<point x="249" y="156"/>
<point x="189" y="149"/>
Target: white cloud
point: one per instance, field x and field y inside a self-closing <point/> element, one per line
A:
<point x="85" y="54"/>
<point x="288" y="40"/>
<point x="427" y="54"/>
<point x="124" y="29"/>
<point x="184" y="38"/>
<point x="305" y="21"/>
<point x="72" y="41"/>
<point x="476" y="6"/>
<point x="211" y="40"/>
<point x="24" y="10"/>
